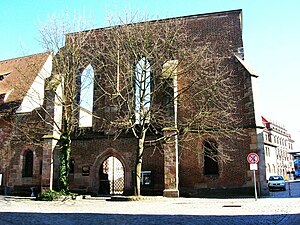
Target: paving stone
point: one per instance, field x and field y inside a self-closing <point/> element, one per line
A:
<point x="156" y="210"/>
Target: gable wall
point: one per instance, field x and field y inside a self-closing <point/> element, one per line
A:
<point x="94" y="148"/>
<point x="226" y="31"/>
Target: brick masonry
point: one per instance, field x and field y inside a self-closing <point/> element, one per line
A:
<point x="92" y="148"/>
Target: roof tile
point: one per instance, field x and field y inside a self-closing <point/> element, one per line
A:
<point x="17" y="75"/>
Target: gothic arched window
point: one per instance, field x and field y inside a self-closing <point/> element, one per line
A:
<point x="86" y="97"/>
<point x="142" y="86"/>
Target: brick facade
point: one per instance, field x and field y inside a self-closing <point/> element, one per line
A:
<point x="93" y="146"/>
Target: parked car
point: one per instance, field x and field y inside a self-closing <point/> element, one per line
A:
<point x="276" y="182"/>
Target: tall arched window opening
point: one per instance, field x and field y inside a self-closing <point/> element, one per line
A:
<point x="86" y="97"/>
<point x="211" y="165"/>
<point x="142" y="86"/>
<point x="169" y="74"/>
<point x="28" y="164"/>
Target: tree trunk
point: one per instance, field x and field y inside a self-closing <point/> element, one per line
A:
<point x="64" y="162"/>
<point x="138" y="165"/>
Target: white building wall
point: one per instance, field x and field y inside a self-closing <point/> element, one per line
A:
<point x="276" y="144"/>
<point x="35" y="95"/>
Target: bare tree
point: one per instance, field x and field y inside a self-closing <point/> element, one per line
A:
<point x="56" y="112"/>
<point x="69" y="62"/>
<point x="154" y="75"/>
<point x="147" y="69"/>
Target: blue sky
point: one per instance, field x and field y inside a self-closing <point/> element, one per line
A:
<point x="271" y="34"/>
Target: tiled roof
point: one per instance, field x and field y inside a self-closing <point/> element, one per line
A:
<point x="17" y="75"/>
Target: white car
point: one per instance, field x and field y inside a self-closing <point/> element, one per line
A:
<point x="276" y="182"/>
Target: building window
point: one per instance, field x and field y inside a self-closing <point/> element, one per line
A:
<point x="28" y="164"/>
<point x="72" y="164"/>
<point x="86" y="97"/>
<point x="269" y="137"/>
<point x="274" y="169"/>
<point x="267" y="151"/>
<point x="269" y="168"/>
<point x="142" y="87"/>
<point x="211" y="165"/>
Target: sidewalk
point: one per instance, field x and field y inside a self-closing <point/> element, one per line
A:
<point x="155" y="210"/>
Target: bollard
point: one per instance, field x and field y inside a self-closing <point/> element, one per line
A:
<point x="6" y="190"/>
<point x="32" y="192"/>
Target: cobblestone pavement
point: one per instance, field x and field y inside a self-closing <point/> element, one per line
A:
<point x="156" y="210"/>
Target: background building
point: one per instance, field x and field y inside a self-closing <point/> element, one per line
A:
<point x="22" y="83"/>
<point x="275" y="143"/>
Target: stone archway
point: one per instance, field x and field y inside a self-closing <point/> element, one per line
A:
<point x="111" y="177"/>
<point x="106" y="172"/>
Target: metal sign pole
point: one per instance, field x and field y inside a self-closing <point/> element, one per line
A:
<point x="253" y="159"/>
<point x="255" y="191"/>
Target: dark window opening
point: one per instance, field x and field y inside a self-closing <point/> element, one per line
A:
<point x="211" y="165"/>
<point x="28" y="164"/>
<point x="72" y="163"/>
<point x="269" y="137"/>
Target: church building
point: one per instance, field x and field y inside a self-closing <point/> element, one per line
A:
<point x="186" y="94"/>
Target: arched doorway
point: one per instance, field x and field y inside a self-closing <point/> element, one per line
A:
<point x="111" y="175"/>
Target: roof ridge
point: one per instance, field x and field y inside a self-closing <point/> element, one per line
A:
<point x="25" y="56"/>
<point x="192" y="16"/>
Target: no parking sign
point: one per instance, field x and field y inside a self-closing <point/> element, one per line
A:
<point x="253" y="158"/>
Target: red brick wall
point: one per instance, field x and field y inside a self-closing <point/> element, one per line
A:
<point x="93" y="151"/>
<point x="5" y="150"/>
<point x="224" y="29"/>
<point x="13" y="145"/>
<point x="93" y="148"/>
<point x="232" y="174"/>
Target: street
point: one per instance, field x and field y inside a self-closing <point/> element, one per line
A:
<point x="292" y="190"/>
<point x="282" y="207"/>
